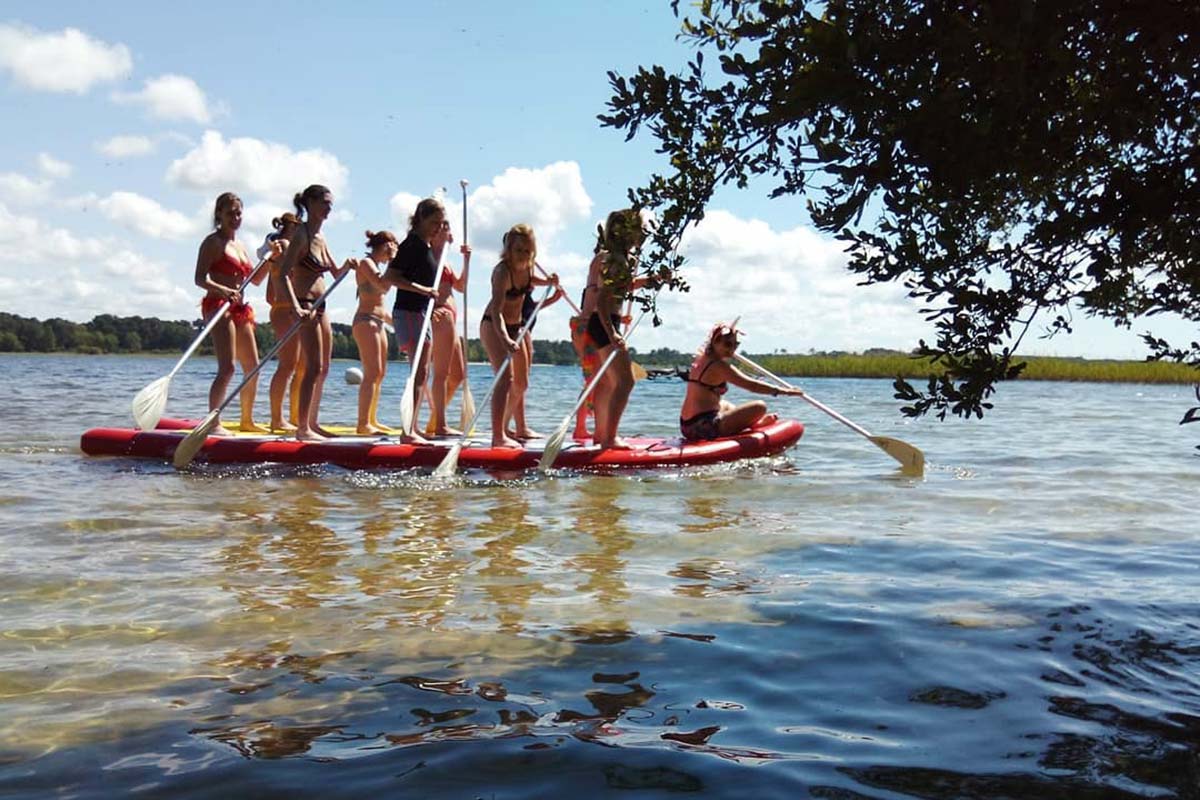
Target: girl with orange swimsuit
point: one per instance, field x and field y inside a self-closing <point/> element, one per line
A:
<point x="705" y="413"/>
<point x="289" y="365"/>
<point x="306" y="259"/>
<point x="222" y="265"/>
<point x="446" y="356"/>
<point x="368" y="328"/>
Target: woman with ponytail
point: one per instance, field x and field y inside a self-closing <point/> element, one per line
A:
<point x="306" y="259"/>
<point x="288" y="364"/>
<point x="368" y="329"/>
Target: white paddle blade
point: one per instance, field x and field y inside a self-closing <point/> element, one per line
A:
<point x="553" y="445"/>
<point x="406" y="408"/>
<point x="150" y="402"/>
<point x="912" y="460"/>
<point x="191" y="444"/>
<point x="449" y="464"/>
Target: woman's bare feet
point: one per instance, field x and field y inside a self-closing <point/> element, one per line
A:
<point x="414" y="438"/>
<point x="581" y="434"/>
<point x="529" y="433"/>
<point x="324" y="432"/>
<point x="446" y="430"/>
<point x="282" y="427"/>
<point x="303" y="435"/>
<point x="506" y="443"/>
<point x="220" y="430"/>
<point x="368" y="430"/>
<point x="766" y="419"/>
<point x="250" y="426"/>
<point x="616" y="444"/>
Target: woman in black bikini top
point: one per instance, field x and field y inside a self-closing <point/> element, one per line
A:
<point x="307" y="257"/>
<point x="705" y="415"/>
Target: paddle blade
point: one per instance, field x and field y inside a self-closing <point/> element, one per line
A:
<point x="406" y="409"/>
<point x="553" y="445"/>
<point x="150" y="402"/>
<point x="191" y="444"/>
<point x="639" y="372"/>
<point x="449" y="464"/>
<point x="912" y="460"/>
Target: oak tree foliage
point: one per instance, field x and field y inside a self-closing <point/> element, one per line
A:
<point x="1003" y="161"/>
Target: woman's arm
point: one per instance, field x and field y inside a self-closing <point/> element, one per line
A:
<point x="460" y="281"/>
<point x="367" y="275"/>
<point x="291" y="257"/>
<point x="210" y="249"/>
<point x="743" y="381"/>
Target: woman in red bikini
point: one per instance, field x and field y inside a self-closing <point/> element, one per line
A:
<point x="446" y="356"/>
<point x="307" y="258"/>
<point x="705" y="413"/>
<point x="368" y="328"/>
<point x="222" y="266"/>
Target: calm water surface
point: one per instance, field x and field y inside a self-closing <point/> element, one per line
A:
<point x="1023" y="622"/>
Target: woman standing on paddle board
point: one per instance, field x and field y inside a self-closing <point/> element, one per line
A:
<point x="610" y="280"/>
<point x="288" y="358"/>
<point x="512" y="281"/>
<point x="369" y="333"/>
<point x="705" y="413"/>
<point x="222" y="265"/>
<point x="447" y="355"/>
<point x="412" y="271"/>
<point x="307" y="258"/>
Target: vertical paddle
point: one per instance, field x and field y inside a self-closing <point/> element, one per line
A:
<point x="151" y="401"/>
<point x="555" y="442"/>
<point x="468" y="402"/>
<point x="911" y="459"/>
<point x="450" y="463"/>
<point x="407" y="399"/>
<point x="191" y="444"/>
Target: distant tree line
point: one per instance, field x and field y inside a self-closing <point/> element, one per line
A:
<point x="111" y="334"/>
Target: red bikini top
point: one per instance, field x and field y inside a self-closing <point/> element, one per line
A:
<point x="228" y="265"/>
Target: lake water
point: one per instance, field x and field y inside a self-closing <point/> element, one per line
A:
<point x="1022" y="622"/>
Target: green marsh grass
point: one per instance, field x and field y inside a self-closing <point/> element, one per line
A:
<point x="1044" y="368"/>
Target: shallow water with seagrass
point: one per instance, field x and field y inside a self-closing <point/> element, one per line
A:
<point x="1021" y="622"/>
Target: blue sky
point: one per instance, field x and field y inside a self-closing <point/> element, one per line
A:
<point x="124" y="121"/>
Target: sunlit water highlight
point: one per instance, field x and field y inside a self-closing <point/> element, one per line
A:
<point x="1022" y="622"/>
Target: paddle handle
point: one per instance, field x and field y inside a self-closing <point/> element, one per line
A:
<point x="566" y="296"/>
<point x="848" y="423"/>
<point x="212" y="323"/>
<point x="288" y="334"/>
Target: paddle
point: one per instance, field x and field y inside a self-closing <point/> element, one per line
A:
<point x="911" y="459"/>
<point x="450" y="463"/>
<point x="555" y="442"/>
<point x="468" y="402"/>
<point x="151" y="401"/>
<point x="191" y="444"/>
<point x="407" y="403"/>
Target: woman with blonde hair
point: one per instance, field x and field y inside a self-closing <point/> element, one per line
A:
<point x="705" y="413"/>
<point x="499" y="328"/>
<point x="222" y="265"/>
<point x="368" y="328"/>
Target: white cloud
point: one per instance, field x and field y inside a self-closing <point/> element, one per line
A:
<point x="26" y="241"/>
<point x="126" y="146"/>
<point x="23" y="190"/>
<point x="64" y="61"/>
<point x="255" y="167"/>
<point x="790" y="287"/>
<point x="52" y="168"/>
<point x="171" y="97"/>
<point x="147" y="217"/>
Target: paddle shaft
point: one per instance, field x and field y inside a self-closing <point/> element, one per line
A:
<point x="784" y="384"/>
<point x="408" y="399"/>
<point x="587" y="390"/>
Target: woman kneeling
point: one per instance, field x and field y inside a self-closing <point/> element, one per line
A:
<point x="705" y="414"/>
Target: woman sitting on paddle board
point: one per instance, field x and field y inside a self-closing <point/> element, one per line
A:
<point x="447" y="356"/>
<point x="222" y="265"/>
<point x="307" y="258"/>
<point x="512" y="281"/>
<point x="412" y="272"/>
<point x="369" y="333"/>
<point x="705" y="413"/>
<point x="288" y="357"/>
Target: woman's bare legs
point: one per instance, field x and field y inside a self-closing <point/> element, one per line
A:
<point x="444" y="338"/>
<point x="497" y="352"/>
<point x="617" y="384"/>
<point x="366" y="336"/>
<point x="288" y="356"/>
<point x="311" y="347"/>
<point x="247" y="352"/>
<point x="224" y="346"/>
